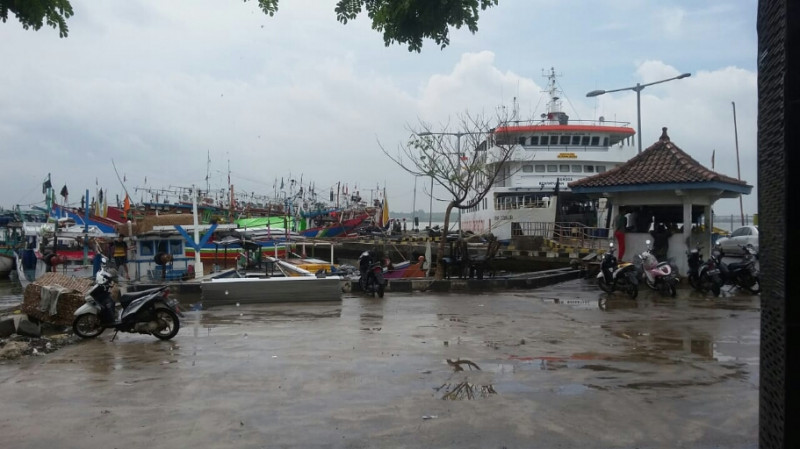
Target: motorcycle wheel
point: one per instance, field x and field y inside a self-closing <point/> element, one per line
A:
<point x="601" y="282"/>
<point x="755" y="287"/>
<point x="672" y="290"/>
<point x="650" y="283"/>
<point x="87" y="326"/>
<point x="381" y="289"/>
<point x="171" y="324"/>
<point x="696" y="283"/>
<point x="633" y="291"/>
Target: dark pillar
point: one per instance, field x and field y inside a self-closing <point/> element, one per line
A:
<point x="778" y="134"/>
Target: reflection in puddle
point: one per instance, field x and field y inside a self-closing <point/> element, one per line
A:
<point x="461" y="388"/>
<point x="465" y="390"/>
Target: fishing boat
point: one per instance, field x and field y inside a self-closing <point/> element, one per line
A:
<point x="58" y="247"/>
<point x="531" y="195"/>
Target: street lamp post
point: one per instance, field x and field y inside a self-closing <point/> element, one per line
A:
<point x="638" y="89"/>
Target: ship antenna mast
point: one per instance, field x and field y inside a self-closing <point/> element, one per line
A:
<point x="554" y="105"/>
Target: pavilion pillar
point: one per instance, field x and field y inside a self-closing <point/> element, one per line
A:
<point x="687" y="223"/>
<point x="709" y="227"/>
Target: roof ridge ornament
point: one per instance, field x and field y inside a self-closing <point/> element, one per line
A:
<point x="664" y="137"/>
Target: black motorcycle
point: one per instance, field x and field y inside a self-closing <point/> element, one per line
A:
<point x="617" y="276"/>
<point x="371" y="279"/>
<point x="703" y="275"/>
<point x="742" y="274"/>
<point x="147" y="312"/>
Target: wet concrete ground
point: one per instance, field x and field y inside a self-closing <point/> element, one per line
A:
<point x="566" y="366"/>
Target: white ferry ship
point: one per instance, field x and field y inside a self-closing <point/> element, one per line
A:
<point x="531" y="194"/>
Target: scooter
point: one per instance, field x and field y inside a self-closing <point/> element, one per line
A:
<point x="741" y="274"/>
<point x="703" y="275"/>
<point x="617" y="276"/>
<point x="372" y="281"/>
<point x="657" y="275"/>
<point x="150" y="311"/>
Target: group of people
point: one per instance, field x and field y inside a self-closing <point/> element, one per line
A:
<point x="639" y="220"/>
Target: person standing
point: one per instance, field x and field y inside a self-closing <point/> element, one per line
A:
<point x="619" y="233"/>
<point x="121" y="256"/>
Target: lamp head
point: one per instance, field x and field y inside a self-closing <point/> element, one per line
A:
<point x="684" y="75"/>
<point x="595" y="93"/>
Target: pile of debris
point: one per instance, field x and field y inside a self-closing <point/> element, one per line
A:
<point x="47" y="308"/>
<point x="54" y="298"/>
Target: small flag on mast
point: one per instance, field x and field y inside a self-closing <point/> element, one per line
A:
<point x="713" y="153"/>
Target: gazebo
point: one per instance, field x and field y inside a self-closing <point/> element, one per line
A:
<point x="663" y="185"/>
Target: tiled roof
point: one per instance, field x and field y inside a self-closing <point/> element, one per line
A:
<point x="661" y="163"/>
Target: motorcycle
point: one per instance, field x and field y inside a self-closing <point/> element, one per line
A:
<point x="371" y="280"/>
<point x="150" y="311"/>
<point x="703" y="275"/>
<point x="617" y="276"/>
<point x="743" y="274"/>
<point x="657" y="275"/>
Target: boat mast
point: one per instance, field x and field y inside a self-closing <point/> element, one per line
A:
<point x="554" y="105"/>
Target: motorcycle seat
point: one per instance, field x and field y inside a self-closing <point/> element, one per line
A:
<point x="126" y="298"/>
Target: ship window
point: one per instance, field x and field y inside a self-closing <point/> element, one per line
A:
<point x="175" y="247"/>
<point x="564" y="140"/>
<point x="539" y="168"/>
<point x="576" y="168"/>
<point x="600" y="168"/>
<point x="595" y="141"/>
<point x="605" y="141"/>
<point x="527" y="168"/>
<point x="553" y="140"/>
<point x="521" y="140"/>
<point x="588" y="168"/>
<point x="585" y="141"/>
<point x="564" y="168"/>
<point x="146" y="248"/>
<point x="552" y="168"/>
<point x="534" y="140"/>
<point x="576" y="140"/>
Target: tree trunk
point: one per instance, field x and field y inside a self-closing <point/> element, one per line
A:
<point x="443" y="243"/>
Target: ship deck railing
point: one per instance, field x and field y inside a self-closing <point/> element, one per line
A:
<point x="568" y="234"/>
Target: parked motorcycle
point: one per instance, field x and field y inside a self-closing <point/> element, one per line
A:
<point x="617" y="276"/>
<point x="150" y="311"/>
<point x="742" y="274"/>
<point x="703" y="275"/>
<point x="371" y="280"/>
<point x="657" y="275"/>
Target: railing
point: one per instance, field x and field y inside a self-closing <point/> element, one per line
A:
<point x="564" y="233"/>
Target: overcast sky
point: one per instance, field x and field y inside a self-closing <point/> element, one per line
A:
<point x="159" y="86"/>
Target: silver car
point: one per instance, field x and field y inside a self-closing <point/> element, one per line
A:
<point x="732" y="245"/>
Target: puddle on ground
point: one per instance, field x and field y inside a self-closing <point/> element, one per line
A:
<point x="465" y="391"/>
<point x="465" y="383"/>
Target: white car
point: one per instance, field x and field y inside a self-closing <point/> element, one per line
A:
<point x="732" y="245"/>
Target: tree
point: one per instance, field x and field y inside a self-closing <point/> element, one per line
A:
<point x="402" y="21"/>
<point x="466" y="172"/>
<point x="34" y="13"/>
<point x="408" y="21"/>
